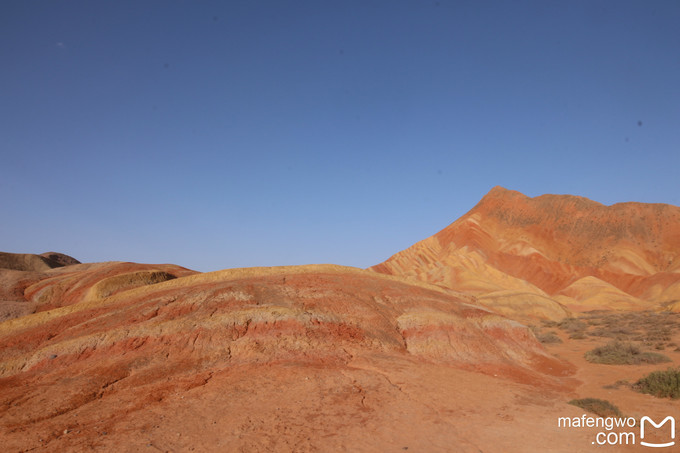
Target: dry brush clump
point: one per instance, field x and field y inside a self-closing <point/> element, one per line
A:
<point x="618" y="353"/>
<point x="603" y="408"/>
<point x="575" y="327"/>
<point x="662" y="384"/>
<point x="549" y="337"/>
<point x="612" y="325"/>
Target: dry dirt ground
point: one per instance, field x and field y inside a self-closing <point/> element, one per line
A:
<point x="614" y="382"/>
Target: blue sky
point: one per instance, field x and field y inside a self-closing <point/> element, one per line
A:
<point x="244" y="133"/>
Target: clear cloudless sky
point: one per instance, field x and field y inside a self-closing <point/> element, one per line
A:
<point x="218" y="134"/>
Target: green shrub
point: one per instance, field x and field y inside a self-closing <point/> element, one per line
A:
<point x="662" y="384"/>
<point x="616" y="353"/>
<point x="603" y="408"/>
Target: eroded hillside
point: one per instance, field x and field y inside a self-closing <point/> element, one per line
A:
<point x="511" y="248"/>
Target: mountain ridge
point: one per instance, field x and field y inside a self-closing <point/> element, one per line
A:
<point x="549" y="242"/>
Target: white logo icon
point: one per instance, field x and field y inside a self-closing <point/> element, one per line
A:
<point x="663" y="422"/>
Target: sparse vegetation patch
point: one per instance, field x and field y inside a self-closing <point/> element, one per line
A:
<point x="617" y="353"/>
<point x="545" y="337"/>
<point x="574" y="327"/>
<point x="648" y="329"/>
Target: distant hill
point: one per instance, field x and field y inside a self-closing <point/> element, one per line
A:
<point x="35" y="263"/>
<point x="511" y="247"/>
<point x="60" y="258"/>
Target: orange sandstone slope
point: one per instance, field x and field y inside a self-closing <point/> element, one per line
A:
<point x="34" y="283"/>
<point x="553" y="253"/>
<point x="306" y="358"/>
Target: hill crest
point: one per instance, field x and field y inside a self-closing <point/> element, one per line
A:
<point x="549" y="241"/>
